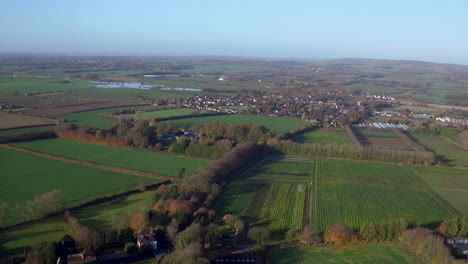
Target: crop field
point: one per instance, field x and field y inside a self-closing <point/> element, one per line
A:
<point x="272" y="193"/>
<point x="10" y="121"/>
<point x="349" y="254"/>
<point x="103" y="216"/>
<point x="281" y="125"/>
<point x="10" y="132"/>
<point x="33" y="175"/>
<point x="382" y="139"/>
<point x="448" y="152"/>
<point x="323" y="136"/>
<point x="164" y="113"/>
<point x="354" y="193"/>
<point x="226" y="68"/>
<point x="142" y="160"/>
<point x="450" y="183"/>
<point x="91" y="118"/>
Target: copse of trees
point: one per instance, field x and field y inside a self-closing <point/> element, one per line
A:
<point x="454" y="227"/>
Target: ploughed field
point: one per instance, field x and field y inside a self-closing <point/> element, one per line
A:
<point x="10" y="121"/>
<point x="17" y="131"/>
<point x="353" y="193"/>
<point x="272" y="193"/>
<point x="381" y="139"/>
<point x="350" y="254"/>
<point x="142" y="160"/>
<point x="25" y="176"/>
<point x="281" y="125"/>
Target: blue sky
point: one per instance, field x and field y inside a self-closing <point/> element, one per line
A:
<point x="411" y="29"/>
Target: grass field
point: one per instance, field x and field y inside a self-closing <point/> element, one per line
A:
<point x="25" y="176"/>
<point x="349" y="254"/>
<point x="272" y="193"/>
<point x="10" y="132"/>
<point x="103" y="216"/>
<point x="91" y="118"/>
<point x="164" y="113"/>
<point x="354" y="193"/>
<point x="449" y="153"/>
<point x="142" y="160"/>
<point x="450" y="183"/>
<point x="39" y="85"/>
<point x="282" y="125"/>
<point x="323" y="137"/>
<point x="11" y="121"/>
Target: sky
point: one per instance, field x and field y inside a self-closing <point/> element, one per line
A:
<point x="427" y="30"/>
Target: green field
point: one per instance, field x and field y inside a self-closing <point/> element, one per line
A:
<point x="272" y="193"/>
<point x="381" y="139"/>
<point x="349" y="254"/>
<point x="227" y="68"/>
<point x="354" y="193"/>
<point x="282" y="125"/>
<point x="322" y="137"/>
<point x="25" y="176"/>
<point x="450" y="183"/>
<point x="448" y="152"/>
<point x="39" y="85"/>
<point x="103" y="216"/>
<point x="91" y="118"/>
<point x="142" y="160"/>
<point x="10" y="132"/>
<point x="164" y="113"/>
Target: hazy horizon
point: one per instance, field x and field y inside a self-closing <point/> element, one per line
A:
<point x="400" y="30"/>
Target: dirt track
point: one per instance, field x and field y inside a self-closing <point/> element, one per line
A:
<point x="90" y="164"/>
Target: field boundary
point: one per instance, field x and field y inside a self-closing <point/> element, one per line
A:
<point x="405" y="138"/>
<point x="90" y="164"/>
<point x="451" y="141"/>
<point x="353" y="137"/>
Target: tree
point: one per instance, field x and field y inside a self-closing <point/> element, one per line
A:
<point x="131" y="248"/>
<point x="49" y="252"/>
<point x="338" y="233"/>
<point x="192" y="233"/>
<point x="259" y="234"/>
<point x="34" y="257"/>
<point x="309" y="235"/>
<point x="239" y="226"/>
<point x="368" y="232"/>
<point x="291" y="234"/>
<point x="382" y="231"/>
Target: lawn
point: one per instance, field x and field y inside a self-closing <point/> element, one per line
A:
<point x="448" y="152"/>
<point x="136" y="159"/>
<point x="272" y="193"/>
<point x="91" y="118"/>
<point x="349" y="254"/>
<point x="25" y="176"/>
<point x="10" y="132"/>
<point x="281" y="125"/>
<point x="353" y="193"/>
<point x="322" y="137"/>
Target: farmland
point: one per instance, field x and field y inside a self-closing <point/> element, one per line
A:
<point x="448" y="152"/>
<point x="272" y="193"/>
<point x="281" y="125"/>
<point x="9" y="121"/>
<point x="17" y="131"/>
<point x="322" y="136"/>
<point x="142" y="160"/>
<point x="382" y="139"/>
<point x="354" y="193"/>
<point x="351" y="254"/>
<point x="450" y="183"/>
<point x="91" y="118"/>
<point x="43" y="175"/>
<point x="164" y="113"/>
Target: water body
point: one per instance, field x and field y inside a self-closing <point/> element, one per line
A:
<point x="181" y="89"/>
<point x="134" y="85"/>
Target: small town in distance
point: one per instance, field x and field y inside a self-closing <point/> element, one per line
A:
<point x="174" y="149"/>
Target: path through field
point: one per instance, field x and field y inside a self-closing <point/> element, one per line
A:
<point x="89" y="164"/>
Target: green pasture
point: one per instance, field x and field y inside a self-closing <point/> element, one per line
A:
<point x="136" y="159"/>
<point x="322" y="137"/>
<point x="445" y="150"/>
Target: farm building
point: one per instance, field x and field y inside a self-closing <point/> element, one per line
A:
<point x="145" y="239"/>
<point x="460" y="244"/>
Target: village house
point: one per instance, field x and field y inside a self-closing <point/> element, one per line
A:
<point x="146" y="239"/>
<point x="460" y="244"/>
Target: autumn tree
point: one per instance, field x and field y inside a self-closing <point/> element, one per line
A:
<point x="309" y="235"/>
<point x="338" y="233"/>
